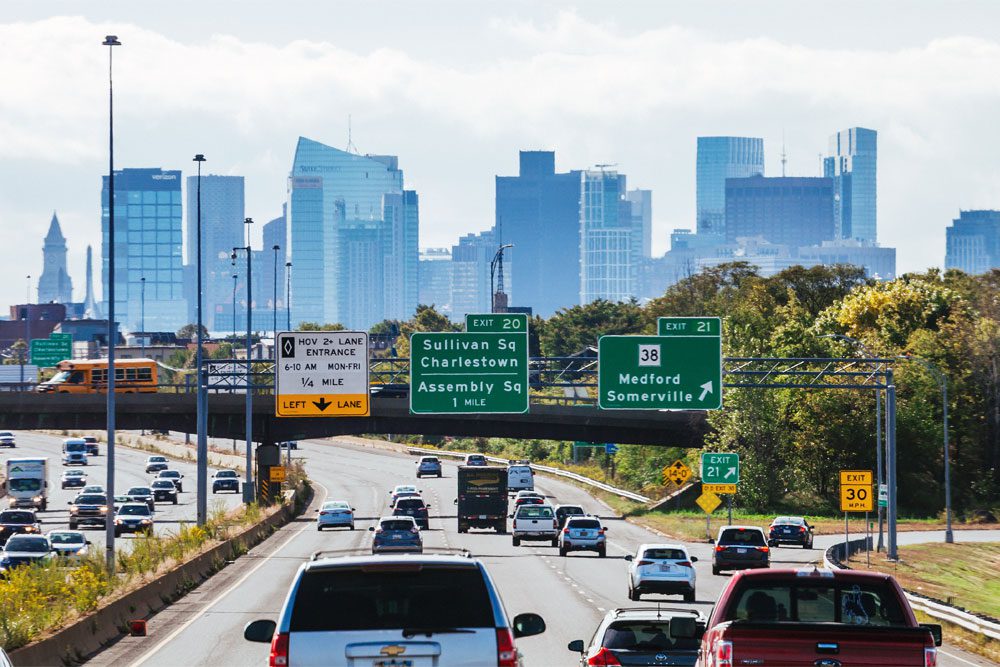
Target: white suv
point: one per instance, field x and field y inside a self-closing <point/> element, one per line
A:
<point x="394" y="610"/>
<point x="661" y="568"/>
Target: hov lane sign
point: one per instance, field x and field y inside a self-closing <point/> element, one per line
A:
<point x="856" y="491"/>
<point x="322" y="374"/>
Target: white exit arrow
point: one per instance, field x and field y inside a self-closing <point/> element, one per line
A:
<point x="706" y="389"/>
<point x="730" y="472"/>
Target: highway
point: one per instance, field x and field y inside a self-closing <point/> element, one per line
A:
<point x="130" y="471"/>
<point x="572" y="593"/>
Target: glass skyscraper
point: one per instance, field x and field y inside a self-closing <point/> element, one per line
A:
<point x="788" y="210"/>
<point x="470" y="274"/>
<point x="974" y="242"/>
<point x="607" y="249"/>
<point x="852" y="164"/>
<point x="720" y="158"/>
<point x="148" y="245"/>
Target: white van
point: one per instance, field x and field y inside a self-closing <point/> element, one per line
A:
<point x="520" y="477"/>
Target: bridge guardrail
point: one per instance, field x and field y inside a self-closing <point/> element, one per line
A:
<point x="547" y="469"/>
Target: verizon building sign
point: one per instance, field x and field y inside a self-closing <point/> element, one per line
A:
<point x="322" y="374"/>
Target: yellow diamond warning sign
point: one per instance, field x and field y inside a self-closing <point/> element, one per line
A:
<point x="676" y="472"/>
<point x="708" y="502"/>
<point x="322" y="374"/>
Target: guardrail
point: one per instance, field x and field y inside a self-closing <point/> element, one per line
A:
<point x="546" y="469"/>
<point x="934" y="608"/>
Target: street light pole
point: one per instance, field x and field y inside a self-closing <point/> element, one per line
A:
<point x="202" y="397"/>
<point x="288" y="296"/>
<point x="142" y="314"/>
<point x="949" y="536"/>
<point x="26" y="352"/>
<point x="111" y="41"/>
<point x="234" y="316"/>
<point x="274" y="299"/>
<point x="248" y="490"/>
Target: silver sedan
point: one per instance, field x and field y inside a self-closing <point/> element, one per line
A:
<point x="335" y="513"/>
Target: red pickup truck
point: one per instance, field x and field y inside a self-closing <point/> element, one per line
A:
<point x="817" y="618"/>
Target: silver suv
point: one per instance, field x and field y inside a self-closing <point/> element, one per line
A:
<point x="583" y="534"/>
<point x="394" y="610"/>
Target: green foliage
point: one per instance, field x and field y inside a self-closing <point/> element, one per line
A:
<point x="573" y="329"/>
<point x="315" y="326"/>
<point x="190" y="331"/>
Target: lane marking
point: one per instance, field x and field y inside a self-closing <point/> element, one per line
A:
<point x="955" y="657"/>
<point x="155" y="649"/>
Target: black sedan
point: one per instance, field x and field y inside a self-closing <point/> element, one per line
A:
<point x="225" y="480"/>
<point x="164" y="491"/>
<point x="790" y="530"/>
<point x="14" y="522"/>
<point x="140" y="494"/>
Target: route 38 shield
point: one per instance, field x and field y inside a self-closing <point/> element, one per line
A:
<point x="676" y="472"/>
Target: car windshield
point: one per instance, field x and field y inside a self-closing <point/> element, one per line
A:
<point x="67" y="538"/>
<point x="816" y="602"/>
<point x="6" y="434"/>
<point x="375" y="598"/>
<point x="665" y="554"/>
<point x="37" y="545"/>
<point x="586" y="524"/>
<point x="534" y="512"/>
<point x="226" y="473"/>
<point x="410" y="503"/>
<point x="157" y="459"/>
<point x="397" y="524"/>
<point x="138" y="491"/>
<point x="788" y="520"/>
<point x="12" y="516"/>
<point x="25" y="485"/>
<point x="91" y="500"/>
<point x="164" y="484"/>
<point x="134" y="510"/>
<point x="73" y="473"/>
<point x="653" y="635"/>
<point x="742" y="537"/>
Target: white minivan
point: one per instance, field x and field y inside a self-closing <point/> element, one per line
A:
<point x="520" y="477"/>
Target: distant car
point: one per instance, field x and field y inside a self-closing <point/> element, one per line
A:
<point x="225" y="480"/>
<point x="520" y="477"/>
<point x="289" y="444"/>
<point x="535" y="522"/>
<point x="164" y="491"/>
<point x="7" y="439"/>
<point x="74" y="458"/>
<point x="661" y="568"/>
<point x="564" y="512"/>
<point x="403" y="489"/>
<point x="174" y="476"/>
<point x="653" y="636"/>
<point x="414" y="507"/>
<point x="740" y="548"/>
<point x="69" y="543"/>
<point x="428" y="465"/>
<point x="88" y="509"/>
<point x="14" y="522"/>
<point x="134" y="518"/>
<point x="92" y="445"/>
<point x="24" y="550"/>
<point x="583" y="534"/>
<point x="156" y="464"/>
<point x="476" y="460"/>
<point x="790" y="530"/>
<point x="93" y="488"/>
<point x="528" y="498"/>
<point x="335" y="513"/>
<point x="140" y="494"/>
<point x="396" y="533"/>
<point x="73" y="478"/>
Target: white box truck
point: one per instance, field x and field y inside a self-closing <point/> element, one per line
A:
<point x="27" y="482"/>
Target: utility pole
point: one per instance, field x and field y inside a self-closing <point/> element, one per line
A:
<point x="202" y="397"/>
<point x="248" y="487"/>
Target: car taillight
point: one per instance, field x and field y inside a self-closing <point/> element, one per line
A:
<point x="930" y="657"/>
<point x="764" y="549"/>
<point x="414" y="530"/>
<point x="325" y="513"/>
<point x="719" y="548"/>
<point x="723" y="654"/>
<point x="555" y="524"/>
<point x="566" y="531"/>
<point x="683" y="563"/>
<point x="506" y="653"/>
<point x="604" y="658"/>
<point x="279" y="650"/>
<point x="645" y="562"/>
<point x="802" y="529"/>
<point x="600" y="532"/>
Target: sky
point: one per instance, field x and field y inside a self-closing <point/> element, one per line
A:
<point x="457" y="88"/>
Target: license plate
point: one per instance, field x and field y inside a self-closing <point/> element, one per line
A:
<point x="666" y="568"/>
<point x="584" y="533"/>
<point x="482" y="516"/>
<point x="741" y="551"/>
<point x="393" y="662"/>
<point x="397" y="537"/>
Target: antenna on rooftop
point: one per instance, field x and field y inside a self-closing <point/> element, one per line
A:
<point x="351" y="148"/>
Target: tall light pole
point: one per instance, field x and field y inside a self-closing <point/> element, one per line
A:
<point x="879" y="473"/>
<point x="142" y="314"/>
<point x="288" y="296"/>
<point x="202" y="398"/>
<point x="248" y="490"/>
<point x="111" y="41"/>
<point x="26" y="352"/>
<point x="949" y="536"/>
<point x="274" y="299"/>
<point x="497" y="260"/>
<point x="235" y="276"/>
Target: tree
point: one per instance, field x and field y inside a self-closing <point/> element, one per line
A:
<point x="189" y="332"/>
<point x="315" y="326"/>
<point x="573" y="329"/>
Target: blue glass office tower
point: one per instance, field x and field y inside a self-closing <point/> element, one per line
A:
<point x="539" y="212"/>
<point x="787" y="210"/>
<point x="720" y="158"/>
<point x="147" y="245"/>
<point x="608" y="251"/>
<point x="852" y="164"/>
<point x="470" y="274"/>
<point x="974" y="242"/>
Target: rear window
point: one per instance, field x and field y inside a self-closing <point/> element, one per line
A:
<point x="518" y="470"/>
<point x="398" y="524"/>
<point x="134" y="510"/>
<point x="534" y="512"/>
<point x="665" y="554"/>
<point x="428" y="597"/>
<point x="583" y="523"/>
<point x="16" y="517"/>
<point x="817" y="602"/>
<point x="788" y="520"/>
<point x="571" y="510"/>
<point x="736" y="536"/>
<point x="429" y="459"/>
<point x="164" y="484"/>
<point x="645" y="636"/>
<point x="138" y="491"/>
<point x="410" y="503"/>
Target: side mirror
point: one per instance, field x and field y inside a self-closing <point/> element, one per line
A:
<point x="576" y="646"/>
<point x="428" y="505"/>
<point x="694" y="559"/>
<point x="711" y="540"/>
<point x="354" y="509"/>
<point x="510" y="516"/>
<point x="89" y="542"/>
<point x="456" y="501"/>
<point x="371" y="528"/>
<point x="628" y="557"/>
<point x="259" y="631"/>
<point x="683" y="627"/>
<point x="69" y="502"/>
<point x="606" y="529"/>
<point x="935" y="632"/>
<point x="772" y="543"/>
<point x="528" y="625"/>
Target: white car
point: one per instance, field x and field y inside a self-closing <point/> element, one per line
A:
<point x="93" y="488"/>
<point x="520" y="477"/>
<point x="661" y="568"/>
<point x="335" y="513"/>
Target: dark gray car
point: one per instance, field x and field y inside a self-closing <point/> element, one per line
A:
<point x="397" y="533"/>
<point x="644" y="636"/>
<point x="740" y="548"/>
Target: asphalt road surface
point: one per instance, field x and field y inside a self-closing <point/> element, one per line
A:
<point x="572" y="594"/>
<point x="130" y="471"/>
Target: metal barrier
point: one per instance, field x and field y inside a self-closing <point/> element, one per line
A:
<point x="546" y="469"/>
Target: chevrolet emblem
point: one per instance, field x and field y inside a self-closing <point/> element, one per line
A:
<point x="393" y="651"/>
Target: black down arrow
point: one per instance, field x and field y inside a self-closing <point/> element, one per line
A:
<point x="322" y="403"/>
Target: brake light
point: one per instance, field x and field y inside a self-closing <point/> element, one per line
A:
<point x="764" y="549"/>
<point x="600" y="532"/>
<point x="325" y="513"/>
<point x="506" y="653"/>
<point x="683" y="563"/>
<point x="604" y="658"/>
<point x="555" y="524"/>
<point x="802" y="529"/>
<point x="279" y="650"/>
<point x="724" y="654"/>
<point x="930" y="657"/>
<point x="719" y="548"/>
<point x="645" y="562"/>
<point x="415" y="530"/>
<point x="566" y="531"/>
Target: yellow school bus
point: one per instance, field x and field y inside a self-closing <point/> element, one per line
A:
<point x="90" y="376"/>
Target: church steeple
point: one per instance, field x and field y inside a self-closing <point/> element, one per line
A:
<point x="54" y="285"/>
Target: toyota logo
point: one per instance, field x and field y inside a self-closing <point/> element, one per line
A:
<point x="660" y="657"/>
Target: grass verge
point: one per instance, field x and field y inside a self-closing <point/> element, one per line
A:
<point x="959" y="637"/>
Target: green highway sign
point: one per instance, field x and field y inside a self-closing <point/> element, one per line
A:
<point x="659" y="372"/>
<point x="719" y="468"/>
<point x="47" y="352"/>
<point x="61" y="336"/>
<point x="459" y="372"/>
<point x="689" y="326"/>
<point x="497" y="322"/>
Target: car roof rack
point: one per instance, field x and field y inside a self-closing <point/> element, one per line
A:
<point x="659" y="609"/>
<point x="362" y="551"/>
